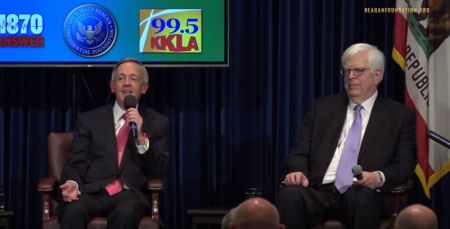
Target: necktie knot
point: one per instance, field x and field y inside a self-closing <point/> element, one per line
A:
<point x="358" y="108"/>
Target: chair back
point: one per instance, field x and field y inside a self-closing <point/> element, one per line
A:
<point x="58" y="147"/>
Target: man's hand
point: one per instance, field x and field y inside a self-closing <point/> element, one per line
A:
<point x="296" y="178"/>
<point x="370" y="180"/>
<point x="69" y="191"/>
<point x="134" y="116"/>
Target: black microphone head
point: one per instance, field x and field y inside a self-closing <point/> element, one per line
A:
<point x="129" y="101"/>
<point x="357" y="170"/>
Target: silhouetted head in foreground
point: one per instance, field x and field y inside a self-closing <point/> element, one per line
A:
<point x="254" y="213"/>
<point x="416" y="216"/>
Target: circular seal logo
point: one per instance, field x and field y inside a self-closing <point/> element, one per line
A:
<point x="90" y="30"/>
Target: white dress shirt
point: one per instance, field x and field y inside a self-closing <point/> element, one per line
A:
<point x="366" y="110"/>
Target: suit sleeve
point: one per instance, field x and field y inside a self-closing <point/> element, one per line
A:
<point x="77" y="161"/>
<point x="402" y="167"/>
<point x="158" y="153"/>
<point x="298" y="158"/>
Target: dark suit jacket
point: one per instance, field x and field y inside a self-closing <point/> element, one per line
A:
<point x="92" y="162"/>
<point x="388" y="144"/>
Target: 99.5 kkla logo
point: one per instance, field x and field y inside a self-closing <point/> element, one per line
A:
<point x="170" y="31"/>
<point x="90" y="30"/>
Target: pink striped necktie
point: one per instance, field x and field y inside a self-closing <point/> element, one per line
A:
<point x="117" y="186"/>
<point x="122" y="138"/>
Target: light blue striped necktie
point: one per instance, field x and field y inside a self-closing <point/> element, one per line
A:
<point x="349" y="157"/>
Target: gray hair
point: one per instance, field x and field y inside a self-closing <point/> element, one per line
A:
<point x="130" y="59"/>
<point x="376" y="57"/>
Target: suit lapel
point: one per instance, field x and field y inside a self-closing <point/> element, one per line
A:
<point x="377" y="116"/>
<point x="338" y="113"/>
<point x="109" y="132"/>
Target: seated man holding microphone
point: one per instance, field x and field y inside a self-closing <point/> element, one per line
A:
<point x="116" y="148"/>
<point x="340" y="132"/>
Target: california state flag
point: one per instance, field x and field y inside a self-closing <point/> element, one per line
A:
<point x="422" y="49"/>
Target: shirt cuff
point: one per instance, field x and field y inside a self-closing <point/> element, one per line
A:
<point x="382" y="178"/>
<point x="143" y="148"/>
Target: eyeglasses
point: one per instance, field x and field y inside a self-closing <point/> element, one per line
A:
<point x="356" y="71"/>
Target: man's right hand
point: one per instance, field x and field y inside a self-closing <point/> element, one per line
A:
<point x="69" y="191"/>
<point x="296" y="178"/>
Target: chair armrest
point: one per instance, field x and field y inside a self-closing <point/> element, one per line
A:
<point x="398" y="190"/>
<point x="46" y="184"/>
<point x="155" y="186"/>
<point x="399" y="199"/>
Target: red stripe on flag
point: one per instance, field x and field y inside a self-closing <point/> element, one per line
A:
<point x="421" y="137"/>
<point x="400" y="32"/>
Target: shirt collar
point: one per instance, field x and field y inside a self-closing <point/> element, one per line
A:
<point x="117" y="112"/>
<point x="368" y="104"/>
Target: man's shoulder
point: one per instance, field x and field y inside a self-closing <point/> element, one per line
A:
<point x="98" y="113"/>
<point x="393" y="104"/>
<point x="107" y="109"/>
<point x="154" y="122"/>
<point x="154" y="115"/>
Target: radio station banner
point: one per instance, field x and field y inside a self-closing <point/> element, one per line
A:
<point x="102" y="32"/>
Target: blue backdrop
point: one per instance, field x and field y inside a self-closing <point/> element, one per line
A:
<point x="231" y="128"/>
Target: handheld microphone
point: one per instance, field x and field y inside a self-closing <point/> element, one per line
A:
<point x="131" y="101"/>
<point x="357" y="172"/>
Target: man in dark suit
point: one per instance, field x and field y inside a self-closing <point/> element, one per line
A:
<point x="385" y="149"/>
<point x="105" y="176"/>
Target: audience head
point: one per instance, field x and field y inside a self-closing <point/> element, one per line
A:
<point x="228" y="219"/>
<point x="255" y="213"/>
<point x="416" y="216"/>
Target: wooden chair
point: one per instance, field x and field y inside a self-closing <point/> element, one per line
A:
<point x="58" y="148"/>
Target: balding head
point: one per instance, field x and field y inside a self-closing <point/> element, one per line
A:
<point x="256" y="213"/>
<point x="416" y="216"/>
<point x="228" y="219"/>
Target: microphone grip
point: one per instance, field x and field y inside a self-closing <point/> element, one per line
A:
<point x="133" y="129"/>
<point x="357" y="172"/>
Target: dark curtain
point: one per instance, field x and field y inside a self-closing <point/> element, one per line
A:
<point x="231" y="128"/>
